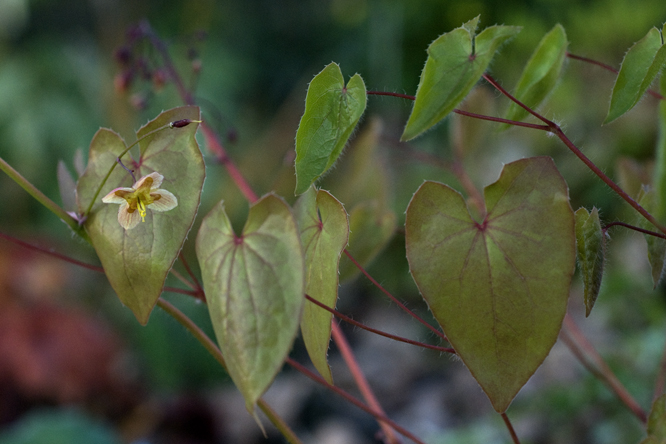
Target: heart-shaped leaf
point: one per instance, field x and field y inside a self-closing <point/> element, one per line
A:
<point x="254" y="286"/>
<point x="456" y="61"/>
<point x="541" y="73"/>
<point x="499" y="287"/>
<point x="332" y="111"/>
<point x="590" y="246"/>
<point x="137" y="260"/>
<point x="324" y="234"/>
<point x="641" y="64"/>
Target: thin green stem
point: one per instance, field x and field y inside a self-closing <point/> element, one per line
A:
<point x="43" y="199"/>
<point x="210" y="346"/>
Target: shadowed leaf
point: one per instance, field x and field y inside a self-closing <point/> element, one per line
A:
<point x="371" y="227"/>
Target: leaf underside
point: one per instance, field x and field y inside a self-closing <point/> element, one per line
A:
<point x="498" y="288"/>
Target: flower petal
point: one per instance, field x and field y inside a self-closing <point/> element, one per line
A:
<point x="112" y="197"/>
<point x="166" y="202"/>
<point x="155" y="177"/>
<point x="126" y="219"/>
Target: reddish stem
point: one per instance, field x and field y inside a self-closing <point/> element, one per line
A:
<point x="555" y="129"/>
<point x="212" y="141"/>
<point x="359" y="377"/>
<point x="51" y="253"/>
<point x="349" y="320"/>
<point x="214" y="145"/>
<point x="81" y="264"/>
<point x="631" y="227"/>
<point x="387" y="293"/>
<point x="379" y="416"/>
<point x="653" y="93"/>
<point x="467" y="113"/>
<point x="582" y="348"/>
<point x="509" y="426"/>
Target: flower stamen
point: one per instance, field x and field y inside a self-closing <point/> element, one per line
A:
<point x="144" y="193"/>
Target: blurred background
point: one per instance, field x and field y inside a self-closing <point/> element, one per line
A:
<point x="75" y="366"/>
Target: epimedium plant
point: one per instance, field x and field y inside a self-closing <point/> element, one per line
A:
<point x="479" y="263"/>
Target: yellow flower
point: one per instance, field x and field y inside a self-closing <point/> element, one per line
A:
<point x="134" y="201"/>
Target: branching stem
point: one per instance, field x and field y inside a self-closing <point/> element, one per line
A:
<point x="349" y="320"/>
<point x="393" y="298"/>
<point x="555" y="129"/>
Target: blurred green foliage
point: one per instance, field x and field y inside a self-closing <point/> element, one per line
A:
<point x="57" y="74"/>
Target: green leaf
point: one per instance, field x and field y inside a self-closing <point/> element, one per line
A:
<point x="456" y="61"/>
<point x="254" y="285"/>
<point x="541" y="73"/>
<point x="371" y="228"/>
<point x="590" y="245"/>
<point x="498" y="288"/>
<point x="640" y="66"/>
<point x="656" y="426"/>
<point x="656" y="246"/>
<point x="332" y="111"/>
<point x="137" y="261"/>
<point x="324" y="234"/>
